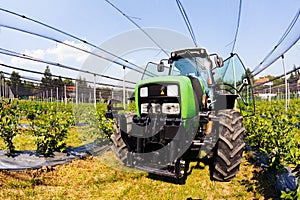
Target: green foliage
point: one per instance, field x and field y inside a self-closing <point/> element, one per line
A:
<point x="50" y="127"/>
<point x="9" y="113"/>
<point x="275" y="133"/>
<point x="131" y="107"/>
<point x="106" y="125"/>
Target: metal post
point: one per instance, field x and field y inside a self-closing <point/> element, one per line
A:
<point x="289" y="93"/>
<point x="95" y="91"/>
<point x="1" y="88"/>
<point x="57" y="94"/>
<point x="76" y="92"/>
<point x="124" y="98"/>
<point x="285" y="82"/>
<point x="90" y="98"/>
<point x="51" y="93"/>
<point x="65" y="87"/>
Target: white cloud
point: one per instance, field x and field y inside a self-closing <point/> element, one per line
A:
<point x="60" y="53"/>
<point x="63" y="52"/>
<point x="19" y="62"/>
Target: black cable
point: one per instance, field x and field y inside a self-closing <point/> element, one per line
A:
<point x="70" y="35"/>
<point x="24" y="56"/>
<point x="277" y="77"/>
<point x="41" y="73"/>
<point x="72" y="46"/>
<point x="138" y="26"/>
<point x="238" y="26"/>
<point x="23" y="77"/>
<point x="287" y="31"/>
<point x="187" y="21"/>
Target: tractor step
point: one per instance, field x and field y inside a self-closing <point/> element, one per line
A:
<point x="161" y="172"/>
<point x="197" y="143"/>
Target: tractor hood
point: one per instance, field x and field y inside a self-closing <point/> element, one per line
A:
<point x="168" y="89"/>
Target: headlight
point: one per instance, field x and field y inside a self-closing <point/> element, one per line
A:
<point x="171" y="108"/>
<point x="172" y="90"/>
<point x="144" y="92"/>
<point x="153" y="107"/>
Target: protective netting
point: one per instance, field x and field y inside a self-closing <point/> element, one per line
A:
<point x="290" y="37"/>
<point x="22" y="160"/>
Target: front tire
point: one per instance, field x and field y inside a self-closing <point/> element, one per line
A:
<point x="229" y="148"/>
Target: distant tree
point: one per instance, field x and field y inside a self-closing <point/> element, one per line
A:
<point x="68" y="82"/>
<point x="28" y="89"/>
<point x="58" y="86"/>
<point x="15" y="83"/>
<point x="82" y="82"/>
<point x="292" y="77"/>
<point x="47" y="82"/>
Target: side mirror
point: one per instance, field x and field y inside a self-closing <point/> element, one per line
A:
<point x="161" y="67"/>
<point x="219" y="61"/>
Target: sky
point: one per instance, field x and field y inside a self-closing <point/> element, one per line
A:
<point x="214" y="22"/>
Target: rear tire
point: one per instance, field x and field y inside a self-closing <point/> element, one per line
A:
<point x="119" y="147"/>
<point x="229" y="148"/>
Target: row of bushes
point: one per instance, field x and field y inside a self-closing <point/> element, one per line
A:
<point x="276" y="134"/>
<point x="49" y="123"/>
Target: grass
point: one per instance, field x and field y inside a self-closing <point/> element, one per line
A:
<point x="92" y="179"/>
<point x="76" y="136"/>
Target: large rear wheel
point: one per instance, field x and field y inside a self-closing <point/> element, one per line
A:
<point x="229" y="148"/>
<point x="119" y="147"/>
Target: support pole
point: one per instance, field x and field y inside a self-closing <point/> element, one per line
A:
<point x="51" y="93"/>
<point x="65" y="87"/>
<point x="124" y="98"/>
<point x="76" y="92"/>
<point x="285" y="82"/>
<point x="95" y="91"/>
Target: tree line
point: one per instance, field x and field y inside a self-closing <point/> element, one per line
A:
<point x="50" y="86"/>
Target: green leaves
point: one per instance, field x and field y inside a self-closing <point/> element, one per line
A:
<point x="9" y="114"/>
<point x="51" y="128"/>
<point x="276" y="134"/>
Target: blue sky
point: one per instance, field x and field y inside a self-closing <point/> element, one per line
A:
<point x="262" y="24"/>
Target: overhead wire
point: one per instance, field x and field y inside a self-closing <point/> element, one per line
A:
<point x="59" y="76"/>
<point x="138" y="26"/>
<point x="187" y="22"/>
<point x="23" y="77"/>
<point x="277" y="77"/>
<point x="27" y="57"/>
<point x="283" y="37"/>
<point x="72" y="46"/>
<point x="237" y="26"/>
<point x="70" y="35"/>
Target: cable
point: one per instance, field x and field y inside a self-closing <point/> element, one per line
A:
<point x="70" y="35"/>
<point x="72" y="46"/>
<point x="278" y="77"/>
<point x="286" y="33"/>
<point x="138" y="26"/>
<point x="24" y="56"/>
<point x="187" y="21"/>
<point x="41" y="73"/>
<point x="238" y="26"/>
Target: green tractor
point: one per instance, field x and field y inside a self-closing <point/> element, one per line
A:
<point x="188" y="107"/>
